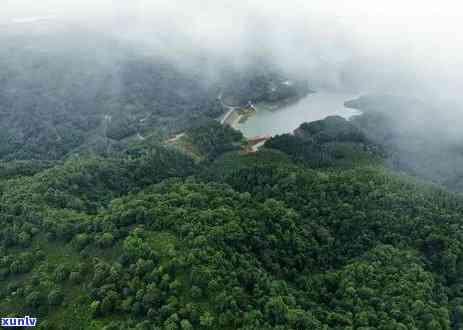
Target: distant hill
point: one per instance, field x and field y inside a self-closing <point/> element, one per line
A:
<point x="420" y="138"/>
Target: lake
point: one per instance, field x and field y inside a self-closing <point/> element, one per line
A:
<point x="312" y="107"/>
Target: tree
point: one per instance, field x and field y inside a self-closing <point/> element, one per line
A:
<point x="206" y="320"/>
<point x="106" y="240"/>
<point x="276" y="311"/>
<point x="55" y="297"/>
<point x="33" y="299"/>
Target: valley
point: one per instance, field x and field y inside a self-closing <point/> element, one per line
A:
<point x="157" y="180"/>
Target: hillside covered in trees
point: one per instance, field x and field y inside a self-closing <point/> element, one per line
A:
<point x="311" y="232"/>
<point x="58" y="98"/>
<point x="125" y="204"/>
<point x="420" y="137"/>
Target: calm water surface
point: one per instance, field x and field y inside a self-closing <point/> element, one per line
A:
<point x="313" y="107"/>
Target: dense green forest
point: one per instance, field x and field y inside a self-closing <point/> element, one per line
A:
<point x="333" y="141"/>
<point x="262" y="83"/>
<point x="105" y="225"/>
<point x="56" y="101"/>
<point x="147" y="238"/>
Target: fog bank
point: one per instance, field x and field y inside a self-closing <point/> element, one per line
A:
<point x="399" y="47"/>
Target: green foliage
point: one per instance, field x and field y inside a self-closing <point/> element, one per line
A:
<point x="331" y="129"/>
<point x="261" y="83"/>
<point x="213" y="139"/>
<point x="331" y="142"/>
<point x="388" y="287"/>
<point x="13" y="169"/>
<point x="70" y="99"/>
<point x="147" y="239"/>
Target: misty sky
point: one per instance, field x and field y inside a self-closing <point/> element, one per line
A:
<point x="391" y="44"/>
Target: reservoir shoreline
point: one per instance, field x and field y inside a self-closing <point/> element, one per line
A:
<point x="285" y="119"/>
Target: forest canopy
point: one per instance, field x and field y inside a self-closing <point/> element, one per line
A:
<point x="270" y="240"/>
<point x="126" y="204"/>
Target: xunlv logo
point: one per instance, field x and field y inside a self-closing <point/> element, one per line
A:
<point x="19" y="321"/>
